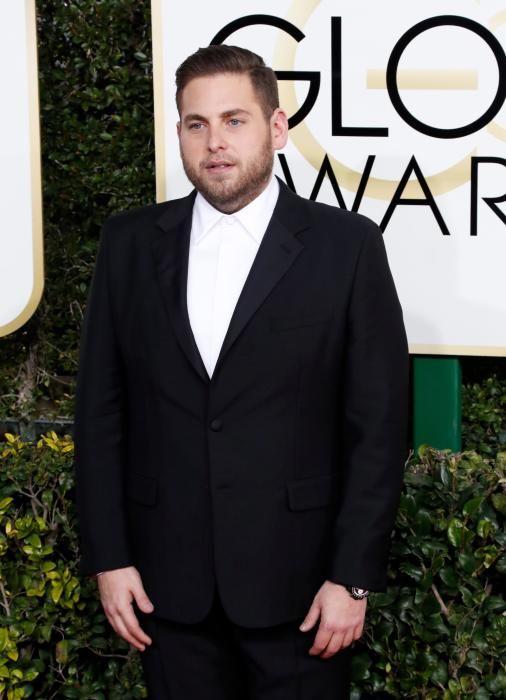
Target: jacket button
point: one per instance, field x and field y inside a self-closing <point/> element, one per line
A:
<point x="216" y="424"/>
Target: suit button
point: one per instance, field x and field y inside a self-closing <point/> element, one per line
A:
<point x="216" y="424"/>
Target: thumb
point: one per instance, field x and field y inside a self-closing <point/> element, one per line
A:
<point x="311" y="618"/>
<point x="141" y="598"/>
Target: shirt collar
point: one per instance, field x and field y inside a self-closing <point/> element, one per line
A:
<point x="254" y="217"/>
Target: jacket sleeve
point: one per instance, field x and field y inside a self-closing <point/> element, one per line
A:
<point x="99" y="429"/>
<point x="375" y="414"/>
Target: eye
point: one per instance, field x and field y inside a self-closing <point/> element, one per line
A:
<point x="234" y="121"/>
<point x="195" y="126"/>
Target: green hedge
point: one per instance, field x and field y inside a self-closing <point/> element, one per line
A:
<point x="439" y="631"/>
<point x="96" y="107"/>
<point x="54" y="639"/>
<point x="484" y="415"/>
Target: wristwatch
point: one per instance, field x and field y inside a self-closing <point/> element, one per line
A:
<point x="357" y="593"/>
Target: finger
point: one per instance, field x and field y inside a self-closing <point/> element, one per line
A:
<point x="122" y="631"/>
<point x="321" y="640"/>
<point x="347" y="639"/>
<point x="112" y="622"/>
<point x="311" y="618"/>
<point x="131" y="623"/>
<point x="333" y="646"/>
<point x="142" y="600"/>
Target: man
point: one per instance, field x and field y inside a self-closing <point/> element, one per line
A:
<point x="241" y="413"/>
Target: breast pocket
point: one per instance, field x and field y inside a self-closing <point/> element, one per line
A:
<point x="284" y="323"/>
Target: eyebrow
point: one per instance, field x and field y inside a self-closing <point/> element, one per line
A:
<point x="223" y="115"/>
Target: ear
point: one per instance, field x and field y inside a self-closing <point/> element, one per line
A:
<point x="178" y="128"/>
<point x="279" y="129"/>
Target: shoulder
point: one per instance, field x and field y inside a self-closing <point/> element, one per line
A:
<point x="342" y="220"/>
<point x="339" y="226"/>
<point x="130" y="221"/>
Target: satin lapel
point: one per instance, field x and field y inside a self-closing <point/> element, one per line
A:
<point x="277" y="252"/>
<point x="170" y="253"/>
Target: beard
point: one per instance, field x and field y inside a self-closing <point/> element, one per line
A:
<point x="226" y="194"/>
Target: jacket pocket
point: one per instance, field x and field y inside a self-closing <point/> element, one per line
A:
<point x="141" y="488"/>
<point x="282" y="323"/>
<point x="304" y="494"/>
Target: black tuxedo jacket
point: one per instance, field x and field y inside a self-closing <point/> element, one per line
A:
<point x="281" y="471"/>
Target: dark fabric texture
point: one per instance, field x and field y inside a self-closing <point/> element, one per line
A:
<point x="281" y="471"/>
<point x="217" y="660"/>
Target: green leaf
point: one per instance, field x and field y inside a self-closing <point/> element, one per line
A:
<point x="494" y="603"/>
<point x="360" y="665"/>
<point x="34" y="541"/>
<point x="440" y="674"/>
<point x="498" y="501"/>
<point x="468" y="683"/>
<point x="487" y="555"/>
<point x="411" y="570"/>
<point x="62" y="651"/>
<point x="435" y="623"/>
<point x="485" y="528"/>
<point x="455" y="531"/>
<point x="467" y="562"/>
<point x="382" y="600"/>
<point x="45" y="632"/>
<point x="5" y="503"/>
<point x="13" y="654"/>
<point x="445" y="476"/>
<point x="467" y="596"/>
<point x="449" y="576"/>
<point x="4" y="638"/>
<point x="475" y="660"/>
<point x="473" y="505"/>
<point x="56" y="591"/>
<point x="423" y="522"/>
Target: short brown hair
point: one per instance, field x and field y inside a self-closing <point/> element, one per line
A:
<point x="220" y="58"/>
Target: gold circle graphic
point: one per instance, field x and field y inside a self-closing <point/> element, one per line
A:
<point x="313" y="152"/>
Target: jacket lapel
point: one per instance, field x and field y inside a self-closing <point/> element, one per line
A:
<point x="277" y="252"/>
<point x="170" y="253"/>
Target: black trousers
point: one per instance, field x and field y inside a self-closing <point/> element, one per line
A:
<point x="217" y="660"/>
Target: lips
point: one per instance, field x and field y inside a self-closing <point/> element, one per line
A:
<point x="218" y="166"/>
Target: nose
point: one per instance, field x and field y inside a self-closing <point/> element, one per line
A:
<point x="215" y="138"/>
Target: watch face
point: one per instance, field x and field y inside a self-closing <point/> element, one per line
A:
<point x="358" y="593"/>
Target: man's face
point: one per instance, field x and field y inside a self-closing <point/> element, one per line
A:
<point x="227" y="144"/>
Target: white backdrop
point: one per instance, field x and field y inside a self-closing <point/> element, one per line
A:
<point x="450" y="273"/>
<point x="21" y="267"/>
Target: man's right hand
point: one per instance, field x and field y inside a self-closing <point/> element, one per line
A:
<point x="118" y="589"/>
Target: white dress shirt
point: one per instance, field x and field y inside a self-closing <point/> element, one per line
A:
<point x="222" y="250"/>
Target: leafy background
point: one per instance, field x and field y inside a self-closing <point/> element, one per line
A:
<point x="439" y="631"/>
<point x="96" y="104"/>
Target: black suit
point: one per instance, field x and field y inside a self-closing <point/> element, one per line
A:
<point x="283" y="470"/>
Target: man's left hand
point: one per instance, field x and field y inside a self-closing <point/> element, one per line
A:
<point x="341" y="619"/>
